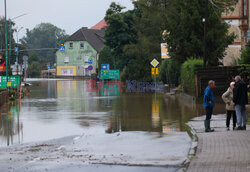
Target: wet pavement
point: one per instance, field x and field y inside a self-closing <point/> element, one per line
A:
<point x="221" y="150"/>
<point x="57" y="109"/>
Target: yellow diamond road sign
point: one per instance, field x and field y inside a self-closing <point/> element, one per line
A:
<point x="154" y="63"/>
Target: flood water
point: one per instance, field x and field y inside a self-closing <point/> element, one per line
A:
<point x="60" y="108"/>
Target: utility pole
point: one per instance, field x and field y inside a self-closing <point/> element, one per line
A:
<point x="205" y="34"/>
<point x="17" y="53"/>
<point x="6" y="41"/>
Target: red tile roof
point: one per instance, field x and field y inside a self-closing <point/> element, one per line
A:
<point x="101" y="25"/>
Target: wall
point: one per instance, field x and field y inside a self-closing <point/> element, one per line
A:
<point x="78" y="58"/>
<point x="222" y="77"/>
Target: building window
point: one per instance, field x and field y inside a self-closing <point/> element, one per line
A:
<point x="71" y="45"/>
<point x="87" y="72"/>
<point x="81" y="45"/>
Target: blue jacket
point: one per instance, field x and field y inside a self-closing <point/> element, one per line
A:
<point x="208" y="96"/>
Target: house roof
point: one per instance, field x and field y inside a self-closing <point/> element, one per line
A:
<point x="95" y="37"/>
<point x="101" y="25"/>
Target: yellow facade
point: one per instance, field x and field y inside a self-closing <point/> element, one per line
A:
<point x="70" y="70"/>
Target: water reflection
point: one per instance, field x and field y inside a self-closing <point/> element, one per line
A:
<point x="57" y="109"/>
<point x="11" y="130"/>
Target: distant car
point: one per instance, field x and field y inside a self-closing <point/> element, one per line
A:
<point x="26" y="84"/>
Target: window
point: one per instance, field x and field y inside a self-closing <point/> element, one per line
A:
<point x="87" y="72"/>
<point x="71" y="45"/>
<point x="81" y="45"/>
<point x="66" y="59"/>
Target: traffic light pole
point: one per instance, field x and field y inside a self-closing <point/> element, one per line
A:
<point x="6" y="41"/>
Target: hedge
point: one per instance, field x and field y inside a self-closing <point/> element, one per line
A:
<point x="170" y="72"/>
<point x="188" y="71"/>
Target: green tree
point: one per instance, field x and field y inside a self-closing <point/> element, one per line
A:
<point x="170" y="72"/>
<point x="245" y="56"/>
<point x="149" y="25"/>
<point x="185" y="29"/>
<point x="11" y="41"/>
<point x="35" y="69"/>
<point x="44" y="36"/>
<point x="118" y="34"/>
<point x="105" y="57"/>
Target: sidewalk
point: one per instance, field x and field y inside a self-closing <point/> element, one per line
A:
<point x="221" y="150"/>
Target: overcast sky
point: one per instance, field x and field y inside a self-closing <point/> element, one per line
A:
<point x="69" y="15"/>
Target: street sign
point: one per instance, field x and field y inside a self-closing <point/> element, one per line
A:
<point x="90" y="68"/>
<point x="9" y="84"/>
<point x="25" y="59"/>
<point x="110" y="74"/>
<point x="16" y="49"/>
<point x="48" y="67"/>
<point x="90" y="61"/>
<point x="248" y="34"/>
<point x="164" y="51"/>
<point x="62" y="48"/>
<point x="25" y="66"/>
<point x="14" y="81"/>
<point x="2" y="66"/>
<point x="155" y="71"/>
<point x="154" y="63"/>
<point x="105" y="67"/>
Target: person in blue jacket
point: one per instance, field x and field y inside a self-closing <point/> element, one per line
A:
<point x="208" y="104"/>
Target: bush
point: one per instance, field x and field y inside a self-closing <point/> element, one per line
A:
<point x="35" y="69"/>
<point x="170" y="72"/>
<point x="188" y="71"/>
<point x="245" y="56"/>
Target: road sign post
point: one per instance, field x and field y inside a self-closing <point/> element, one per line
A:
<point x="105" y="67"/>
<point x="13" y="81"/>
<point x="248" y="35"/>
<point x="90" y="61"/>
<point x="90" y="67"/>
<point x="110" y="74"/>
<point x="62" y="48"/>
<point x="155" y="63"/>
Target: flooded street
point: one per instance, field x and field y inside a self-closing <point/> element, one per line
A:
<point x="59" y="123"/>
<point x="61" y="108"/>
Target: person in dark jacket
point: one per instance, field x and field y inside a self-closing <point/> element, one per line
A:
<point x="240" y="100"/>
<point x="208" y="104"/>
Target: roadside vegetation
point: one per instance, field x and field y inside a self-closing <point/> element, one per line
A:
<point x="39" y="44"/>
<point x="133" y="37"/>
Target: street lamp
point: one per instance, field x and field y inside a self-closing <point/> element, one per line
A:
<point x="17" y="51"/>
<point x="6" y="41"/>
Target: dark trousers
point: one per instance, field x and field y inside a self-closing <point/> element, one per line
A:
<point x="209" y="112"/>
<point x="229" y="114"/>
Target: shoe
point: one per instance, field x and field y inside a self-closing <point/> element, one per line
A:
<point x="234" y="128"/>
<point x="239" y="128"/>
<point x="206" y="124"/>
<point x="228" y="129"/>
<point x="244" y="128"/>
<point x="210" y="130"/>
